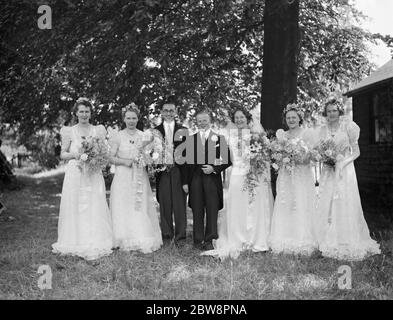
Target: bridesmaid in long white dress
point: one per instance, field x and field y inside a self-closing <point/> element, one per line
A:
<point x="342" y="228"/>
<point x="292" y="228"/>
<point x="134" y="215"/>
<point x="243" y="225"/>
<point x="84" y="227"/>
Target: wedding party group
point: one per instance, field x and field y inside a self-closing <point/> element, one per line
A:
<point x="302" y="218"/>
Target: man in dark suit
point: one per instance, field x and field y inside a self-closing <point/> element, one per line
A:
<point x="169" y="183"/>
<point x="207" y="156"/>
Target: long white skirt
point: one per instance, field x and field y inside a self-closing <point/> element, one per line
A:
<point x="85" y="227"/>
<point x="134" y="214"/>
<point x="243" y="225"/>
<point x="343" y="231"/>
<point x="292" y="229"/>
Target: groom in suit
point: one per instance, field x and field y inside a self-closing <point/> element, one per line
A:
<point x="169" y="184"/>
<point x="207" y="155"/>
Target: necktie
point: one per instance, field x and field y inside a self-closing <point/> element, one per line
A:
<point x="169" y="134"/>
<point x="203" y="138"/>
<point x="169" y="145"/>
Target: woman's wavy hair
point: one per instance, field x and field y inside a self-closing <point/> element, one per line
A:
<point x="82" y="101"/>
<point x="243" y="110"/>
<point x="292" y="107"/>
<point x="132" y="107"/>
<point x="333" y="102"/>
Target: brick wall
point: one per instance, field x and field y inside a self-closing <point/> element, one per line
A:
<point x="374" y="167"/>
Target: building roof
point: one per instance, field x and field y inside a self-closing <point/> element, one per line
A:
<point x="382" y="74"/>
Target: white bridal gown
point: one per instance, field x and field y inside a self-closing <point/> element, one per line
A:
<point x="292" y="228"/>
<point x="343" y="231"/>
<point x="134" y="214"/>
<point x="243" y="225"/>
<point x="84" y="228"/>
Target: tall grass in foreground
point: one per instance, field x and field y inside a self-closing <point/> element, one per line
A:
<point x="29" y="227"/>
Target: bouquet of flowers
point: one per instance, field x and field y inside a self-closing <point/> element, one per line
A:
<point x="165" y="155"/>
<point x="155" y="155"/>
<point x="328" y="152"/>
<point x="94" y="155"/>
<point x="168" y="161"/>
<point x="257" y="156"/>
<point x="287" y="153"/>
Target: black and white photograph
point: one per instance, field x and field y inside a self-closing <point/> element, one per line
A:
<point x="212" y="151"/>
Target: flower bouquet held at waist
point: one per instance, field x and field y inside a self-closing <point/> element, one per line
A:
<point x="329" y="153"/>
<point x="257" y="159"/>
<point x="94" y="155"/>
<point x="288" y="153"/>
<point x="154" y="154"/>
<point x="163" y="155"/>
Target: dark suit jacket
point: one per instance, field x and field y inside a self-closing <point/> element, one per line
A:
<point x="176" y="143"/>
<point x="216" y="148"/>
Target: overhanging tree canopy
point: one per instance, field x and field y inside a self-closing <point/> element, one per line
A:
<point x="208" y="53"/>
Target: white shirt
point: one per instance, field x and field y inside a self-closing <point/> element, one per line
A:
<point x="167" y="126"/>
<point x="205" y="134"/>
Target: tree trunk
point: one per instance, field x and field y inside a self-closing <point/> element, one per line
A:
<point x="280" y="60"/>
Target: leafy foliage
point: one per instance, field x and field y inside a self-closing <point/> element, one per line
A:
<point x="334" y="50"/>
<point x="43" y="148"/>
<point x="208" y="53"/>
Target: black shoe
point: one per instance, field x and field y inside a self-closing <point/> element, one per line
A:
<point x="166" y="242"/>
<point x="180" y="244"/>
<point x="208" y="246"/>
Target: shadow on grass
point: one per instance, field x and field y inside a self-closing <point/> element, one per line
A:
<point x="171" y="272"/>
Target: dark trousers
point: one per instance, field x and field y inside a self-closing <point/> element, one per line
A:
<point x="204" y="200"/>
<point x="172" y="200"/>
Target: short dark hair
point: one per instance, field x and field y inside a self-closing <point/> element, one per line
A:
<point x="243" y="110"/>
<point x="84" y="102"/>
<point x="169" y="100"/>
<point x="333" y="102"/>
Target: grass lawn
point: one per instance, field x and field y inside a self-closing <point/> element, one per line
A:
<point x="29" y="227"/>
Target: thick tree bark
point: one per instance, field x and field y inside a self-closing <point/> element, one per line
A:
<point x="280" y="59"/>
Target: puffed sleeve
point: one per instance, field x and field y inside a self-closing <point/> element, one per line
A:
<point x="146" y="135"/>
<point x="101" y="131"/>
<point x="311" y="136"/>
<point x="65" y="133"/>
<point x="280" y="134"/>
<point x="114" y="139"/>
<point x="322" y="132"/>
<point x="353" y="133"/>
